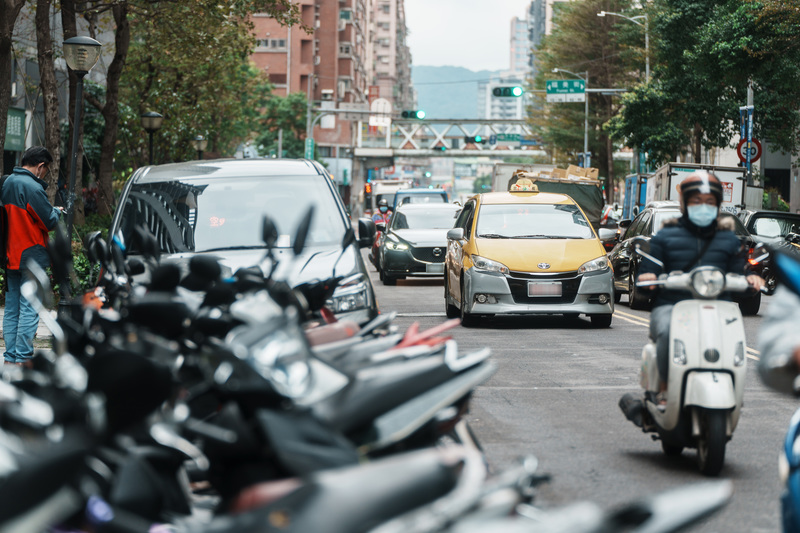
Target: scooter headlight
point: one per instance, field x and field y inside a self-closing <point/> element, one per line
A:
<point x="708" y="282"/>
<point x="282" y="357"/>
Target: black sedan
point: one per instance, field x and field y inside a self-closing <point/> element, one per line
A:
<point x="778" y="229"/>
<point x="646" y="224"/>
<point x="415" y="243"/>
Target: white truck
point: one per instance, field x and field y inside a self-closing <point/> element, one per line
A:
<point x="736" y="194"/>
<point x="377" y="190"/>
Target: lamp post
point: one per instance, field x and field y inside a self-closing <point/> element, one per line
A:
<point x="200" y="143"/>
<point x="81" y="55"/>
<point x="635" y="20"/>
<point x="585" y="79"/>
<point x="151" y="122"/>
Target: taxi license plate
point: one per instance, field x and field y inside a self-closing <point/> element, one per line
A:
<point x="544" y="288"/>
<point x="434" y="268"/>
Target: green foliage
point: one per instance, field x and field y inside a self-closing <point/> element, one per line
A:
<point x="201" y="81"/>
<point x="773" y="201"/>
<point x="287" y="113"/>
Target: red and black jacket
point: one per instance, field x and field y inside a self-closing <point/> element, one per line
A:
<point x="29" y="217"/>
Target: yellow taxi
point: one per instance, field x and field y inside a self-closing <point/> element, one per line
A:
<point x="526" y="252"/>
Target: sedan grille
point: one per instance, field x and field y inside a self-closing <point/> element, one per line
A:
<point x="429" y="255"/>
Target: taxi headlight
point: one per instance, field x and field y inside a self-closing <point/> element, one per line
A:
<point x="487" y="265"/>
<point x="349" y="298"/>
<point x="600" y="264"/>
<point x="708" y="282"/>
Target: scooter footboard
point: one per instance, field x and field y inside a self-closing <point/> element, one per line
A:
<point x="711" y="390"/>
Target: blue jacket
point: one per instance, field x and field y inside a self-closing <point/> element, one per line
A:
<point x="30" y="218"/>
<point x="679" y="241"/>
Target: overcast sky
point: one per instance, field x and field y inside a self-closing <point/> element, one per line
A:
<point x="474" y="34"/>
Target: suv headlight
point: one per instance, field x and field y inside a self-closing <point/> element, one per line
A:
<point x="708" y="282"/>
<point x="600" y="264"/>
<point x="392" y="243"/>
<point x="349" y="297"/>
<point x="487" y="265"/>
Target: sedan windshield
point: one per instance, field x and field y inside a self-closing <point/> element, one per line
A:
<point x="226" y="213"/>
<point x="533" y="221"/>
<point x="776" y="226"/>
<point x="425" y="219"/>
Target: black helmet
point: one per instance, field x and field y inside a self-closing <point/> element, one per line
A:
<point x="700" y="182"/>
<point x="383" y="203"/>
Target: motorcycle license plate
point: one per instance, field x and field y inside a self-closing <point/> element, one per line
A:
<point x="434" y="268"/>
<point x="544" y="288"/>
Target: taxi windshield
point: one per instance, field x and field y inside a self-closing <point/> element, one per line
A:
<point x="532" y="221"/>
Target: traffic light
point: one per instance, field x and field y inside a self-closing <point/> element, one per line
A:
<point x="428" y="174"/>
<point x="418" y="114"/>
<point x="477" y="139"/>
<point x="439" y="148"/>
<point x="512" y="91"/>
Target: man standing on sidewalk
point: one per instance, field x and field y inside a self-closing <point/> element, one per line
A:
<point x="29" y="219"/>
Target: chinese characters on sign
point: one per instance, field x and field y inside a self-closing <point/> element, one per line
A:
<point x="15" y="130"/>
<point x="566" y="91"/>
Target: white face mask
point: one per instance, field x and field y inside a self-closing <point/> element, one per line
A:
<point x="702" y="215"/>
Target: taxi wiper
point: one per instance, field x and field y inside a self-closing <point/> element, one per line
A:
<point x="492" y="236"/>
<point x="539" y="237"/>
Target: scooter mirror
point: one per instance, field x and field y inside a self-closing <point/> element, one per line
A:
<point x="269" y="232"/>
<point x="302" y="231"/>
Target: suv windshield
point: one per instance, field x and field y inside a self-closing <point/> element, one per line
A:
<point x="202" y="215"/>
<point x="533" y="221"/>
<point x="424" y="219"/>
<point x="421" y="198"/>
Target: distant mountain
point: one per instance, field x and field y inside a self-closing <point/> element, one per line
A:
<point x="448" y="92"/>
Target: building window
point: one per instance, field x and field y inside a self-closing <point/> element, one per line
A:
<point x="325" y="151"/>
<point x="384" y="59"/>
<point x="386" y="8"/>
<point x="345" y="49"/>
<point x="384" y="26"/>
<point x="346" y="14"/>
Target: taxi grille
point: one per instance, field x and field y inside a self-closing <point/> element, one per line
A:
<point x="518" y="283"/>
<point x="427" y="255"/>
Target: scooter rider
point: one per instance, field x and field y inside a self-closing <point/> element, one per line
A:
<point x="384" y="214"/>
<point x="698" y="237"/>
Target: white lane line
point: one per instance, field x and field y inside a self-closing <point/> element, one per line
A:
<point x="420" y="314"/>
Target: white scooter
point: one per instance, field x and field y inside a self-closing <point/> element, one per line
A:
<point x="707" y="366"/>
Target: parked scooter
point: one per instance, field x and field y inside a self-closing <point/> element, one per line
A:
<point x="707" y="366"/>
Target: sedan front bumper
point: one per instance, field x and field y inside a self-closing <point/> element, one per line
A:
<point x="414" y="261"/>
<point x="508" y="294"/>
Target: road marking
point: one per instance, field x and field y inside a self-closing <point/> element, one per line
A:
<point x="420" y="314"/>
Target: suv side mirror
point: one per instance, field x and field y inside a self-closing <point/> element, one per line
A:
<point x="366" y="232"/>
<point x="624" y="223"/>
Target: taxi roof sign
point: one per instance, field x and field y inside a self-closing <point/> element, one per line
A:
<point x="523" y="185"/>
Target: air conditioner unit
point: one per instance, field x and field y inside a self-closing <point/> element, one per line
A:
<point x="342" y="24"/>
<point x="316" y="60"/>
<point x="327" y="95"/>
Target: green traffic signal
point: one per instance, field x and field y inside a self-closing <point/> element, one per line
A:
<point x="477" y="139"/>
<point x="513" y="91"/>
<point x="418" y="114"/>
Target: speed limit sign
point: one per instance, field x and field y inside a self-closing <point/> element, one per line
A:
<point x="753" y="146"/>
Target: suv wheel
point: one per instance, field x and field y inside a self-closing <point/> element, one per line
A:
<point x="635" y="298"/>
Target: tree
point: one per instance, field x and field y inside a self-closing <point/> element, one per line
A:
<point x="288" y="114"/>
<point x="47" y="76"/>
<point x="9" y="11"/>
<point x="582" y="42"/>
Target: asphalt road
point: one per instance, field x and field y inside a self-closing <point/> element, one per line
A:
<point x="555" y="396"/>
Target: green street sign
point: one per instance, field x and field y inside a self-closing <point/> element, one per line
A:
<point x="309" y="148"/>
<point x="566" y="91"/>
<point x="508" y="137"/>
<point x="15" y="130"/>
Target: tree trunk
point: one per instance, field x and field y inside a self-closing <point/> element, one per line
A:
<point x="9" y="10"/>
<point x="70" y="24"/>
<point x="611" y="182"/>
<point x="697" y="148"/>
<point x="47" y="73"/>
<point x="105" y="191"/>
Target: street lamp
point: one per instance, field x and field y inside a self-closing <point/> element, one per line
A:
<point x="81" y="55"/>
<point x="200" y="143"/>
<point x="635" y="20"/>
<point x="585" y="79"/>
<point x="151" y="122"/>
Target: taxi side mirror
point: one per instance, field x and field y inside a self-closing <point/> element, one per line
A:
<point x="607" y="234"/>
<point x="455" y="234"/>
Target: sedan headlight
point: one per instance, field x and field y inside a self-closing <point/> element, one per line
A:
<point x="487" y="265"/>
<point x="601" y="264"/>
<point x="708" y="282"/>
<point x="282" y="357"/>
<point x="349" y="297"/>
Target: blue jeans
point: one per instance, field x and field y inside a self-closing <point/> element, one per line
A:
<point x="20" y="321"/>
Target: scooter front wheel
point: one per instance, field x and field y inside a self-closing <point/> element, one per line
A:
<point x="712" y="441"/>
